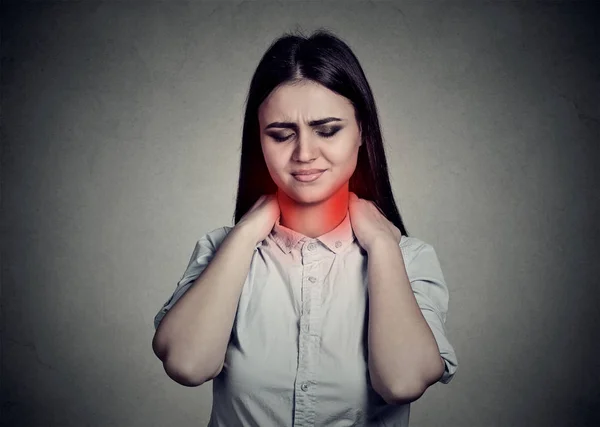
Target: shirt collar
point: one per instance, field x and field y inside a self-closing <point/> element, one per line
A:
<point x="335" y="240"/>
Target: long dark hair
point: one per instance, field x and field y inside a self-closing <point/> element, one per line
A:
<point x="327" y="60"/>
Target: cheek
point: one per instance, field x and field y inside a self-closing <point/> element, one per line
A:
<point x="273" y="159"/>
<point x="346" y="161"/>
<point x="268" y="154"/>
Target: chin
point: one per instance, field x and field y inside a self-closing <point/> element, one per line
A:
<point x="307" y="194"/>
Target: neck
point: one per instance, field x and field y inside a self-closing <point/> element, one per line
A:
<point x="314" y="220"/>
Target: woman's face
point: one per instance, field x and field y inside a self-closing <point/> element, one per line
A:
<point x="307" y="126"/>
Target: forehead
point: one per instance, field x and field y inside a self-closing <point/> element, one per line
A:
<point x="306" y="101"/>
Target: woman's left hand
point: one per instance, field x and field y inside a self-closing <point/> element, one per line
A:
<point x="369" y="224"/>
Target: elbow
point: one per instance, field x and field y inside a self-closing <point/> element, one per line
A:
<point x="411" y="390"/>
<point x="183" y="369"/>
<point x="178" y="370"/>
<point x="185" y="373"/>
<point x="403" y="394"/>
<point x="183" y="376"/>
<point x="158" y="346"/>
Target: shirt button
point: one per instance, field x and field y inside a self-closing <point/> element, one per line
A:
<point x="312" y="246"/>
<point x="312" y="279"/>
<point x="338" y="244"/>
<point x="304" y="386"/>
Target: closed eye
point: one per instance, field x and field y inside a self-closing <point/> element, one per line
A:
<point x="331" y="131"/>
<point x="328" y="134"/>
<point x="281" y="138"/>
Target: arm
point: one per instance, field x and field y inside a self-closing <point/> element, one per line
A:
<point x="191" y="339"/>
<point x="404" y="358"/>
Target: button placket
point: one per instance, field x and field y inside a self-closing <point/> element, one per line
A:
<point x="307" y="307"/>
<point x="309" y="331"/>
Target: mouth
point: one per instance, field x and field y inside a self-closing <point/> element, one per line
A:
<point x="308" y="176"/>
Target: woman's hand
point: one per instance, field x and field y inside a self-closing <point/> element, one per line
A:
<point x="261" y="217"/>
<point x="369" y="224"/>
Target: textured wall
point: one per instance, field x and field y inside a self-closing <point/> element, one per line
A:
<point x="121" y="125"/>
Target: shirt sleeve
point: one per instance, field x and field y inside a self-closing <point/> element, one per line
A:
<point x="202" y="254"/>
<point x="431" y="292"/>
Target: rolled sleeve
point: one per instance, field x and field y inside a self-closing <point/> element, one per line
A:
<point x="431" y="292"/>
<point x="202" y="254"/>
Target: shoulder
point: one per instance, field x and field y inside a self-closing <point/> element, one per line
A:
<point x="215" y="237"/>
<point x="420" y="257"/>
<point x="412" y="246"/>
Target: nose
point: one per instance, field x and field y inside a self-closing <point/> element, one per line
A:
<point x="306" y="148"/>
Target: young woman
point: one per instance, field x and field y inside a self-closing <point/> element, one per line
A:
<point x="315" y="308"/>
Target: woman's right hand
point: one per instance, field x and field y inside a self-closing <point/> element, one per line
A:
<point x="261" y="217"/>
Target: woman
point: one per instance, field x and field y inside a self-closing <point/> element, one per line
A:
<point x="315" y="308"/>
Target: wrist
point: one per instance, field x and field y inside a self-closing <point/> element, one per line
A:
<point x="382" y="242"/>
<point x="244" y="235"/>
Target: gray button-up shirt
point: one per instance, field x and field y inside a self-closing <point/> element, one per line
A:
<point x="297" y="354"/>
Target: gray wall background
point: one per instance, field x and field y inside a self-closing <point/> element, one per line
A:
<point x="121" y="129"/>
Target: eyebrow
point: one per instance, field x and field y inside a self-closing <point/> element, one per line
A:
<point x="292" y="125"/>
